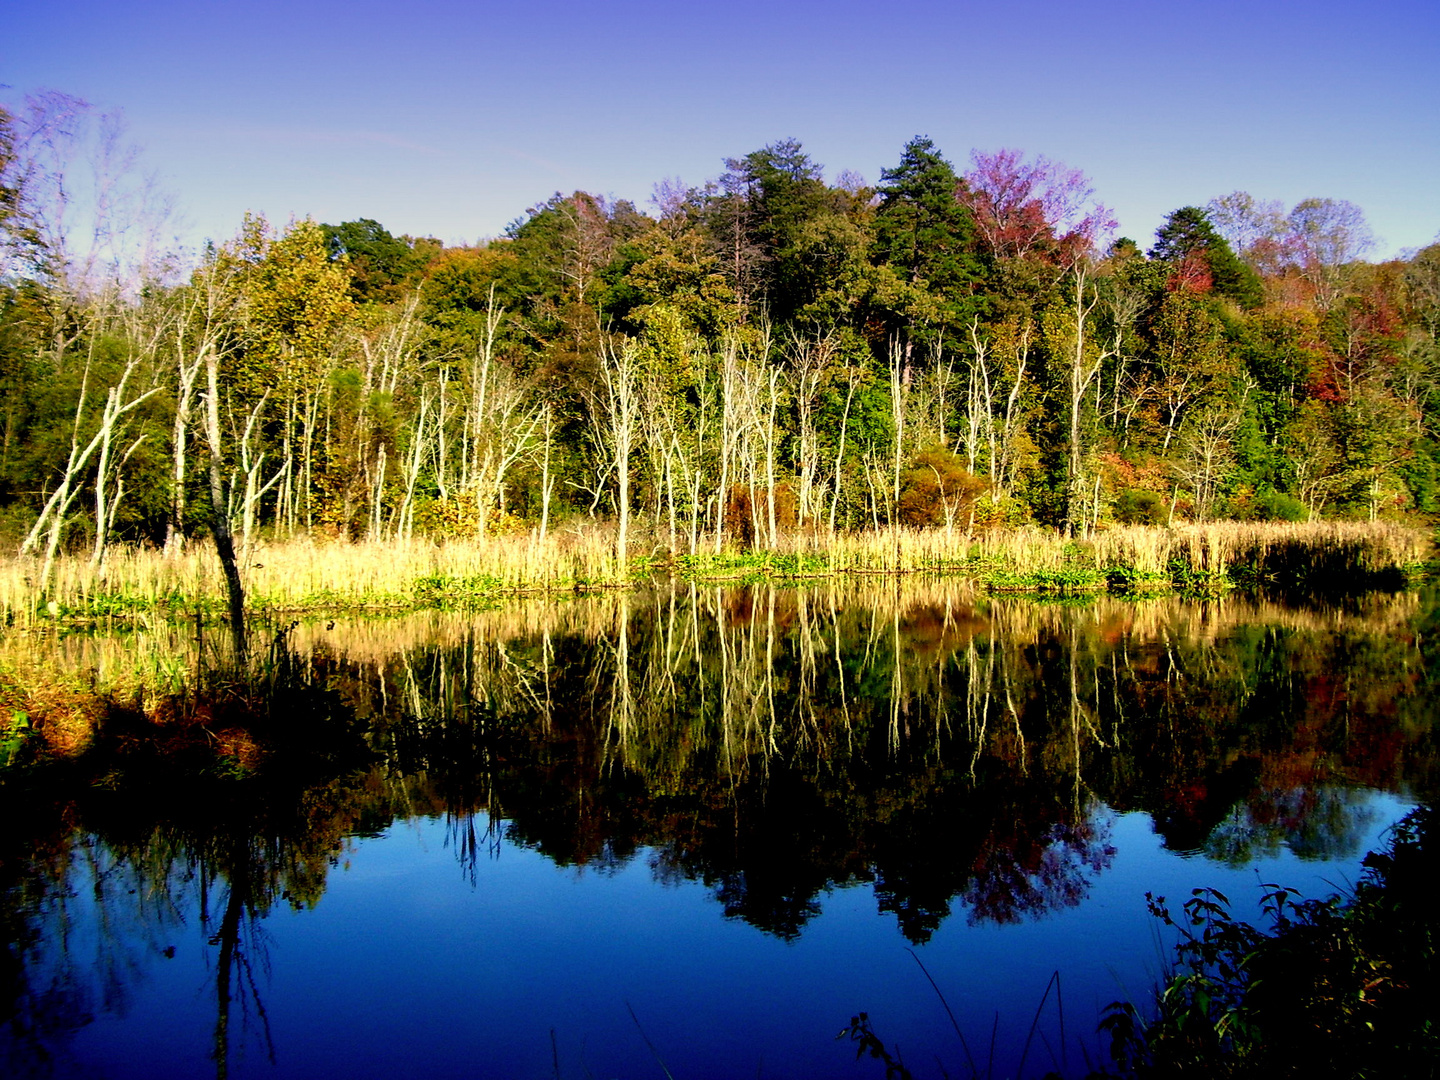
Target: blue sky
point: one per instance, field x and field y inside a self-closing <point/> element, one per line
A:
<point x="449" y="119"/>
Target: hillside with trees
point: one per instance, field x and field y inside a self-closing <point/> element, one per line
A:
<point x="769" y="352"/>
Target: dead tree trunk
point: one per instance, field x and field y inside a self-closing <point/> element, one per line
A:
<point x="220" y="514"/>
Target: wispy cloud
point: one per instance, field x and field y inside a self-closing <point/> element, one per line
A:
<point x="555" y="167"/>
<point x="293" y="136"/>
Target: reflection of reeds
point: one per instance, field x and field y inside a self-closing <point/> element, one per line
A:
<point x="825" y="617"/>
<point x="724" y="680"/>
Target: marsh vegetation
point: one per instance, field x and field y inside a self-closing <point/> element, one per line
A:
<point x="304" y="576"/>
<point x="771" y="372"/>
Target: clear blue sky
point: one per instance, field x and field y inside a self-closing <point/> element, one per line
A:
<point x="446" y="118"/>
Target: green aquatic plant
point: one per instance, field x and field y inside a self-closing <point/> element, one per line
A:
<point x="14" y="737"/>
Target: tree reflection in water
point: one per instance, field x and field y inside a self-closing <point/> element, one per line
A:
<point x="1314" y="823"/>
<point x="128" y="875"/>
<point x="774" y="744"/>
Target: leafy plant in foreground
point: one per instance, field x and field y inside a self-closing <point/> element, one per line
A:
<point x="1335" y="988"/>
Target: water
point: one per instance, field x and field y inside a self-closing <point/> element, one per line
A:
<point x="707" y="829"/>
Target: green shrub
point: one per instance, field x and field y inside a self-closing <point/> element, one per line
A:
<point x="1334" y="988"/>
<point x="1277" y="506"/>
<point x="1136" y="506"/>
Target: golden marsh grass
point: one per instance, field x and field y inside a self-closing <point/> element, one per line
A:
<point x="296" y="575"/>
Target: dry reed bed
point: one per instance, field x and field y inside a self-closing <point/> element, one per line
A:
<point x="317" y="575"/>
<point x="1208" y="549"/>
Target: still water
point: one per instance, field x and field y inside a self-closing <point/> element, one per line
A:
<point x="695" y="833"/>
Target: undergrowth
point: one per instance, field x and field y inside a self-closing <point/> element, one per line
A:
<point x="1336" y="986"/>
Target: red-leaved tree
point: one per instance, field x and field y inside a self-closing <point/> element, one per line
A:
<point x="1040" y="207"/>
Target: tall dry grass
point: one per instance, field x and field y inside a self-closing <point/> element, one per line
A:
<point x="309" y="574"/>
<point x="296" y="575"/>
<point x="1268" y="547"/>
<point x="1205" y="550"/>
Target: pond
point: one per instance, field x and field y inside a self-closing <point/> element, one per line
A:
<point x="693" y="833"/>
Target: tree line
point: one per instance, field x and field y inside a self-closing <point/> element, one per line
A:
<point x="767" y="352"/>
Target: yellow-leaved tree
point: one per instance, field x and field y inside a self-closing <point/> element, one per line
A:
<point x="296" y="308"/>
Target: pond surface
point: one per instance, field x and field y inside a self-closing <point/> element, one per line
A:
<point x="697" y="832"/>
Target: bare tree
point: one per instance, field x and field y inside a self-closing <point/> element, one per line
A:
<point x="1207" y="451"/>
<point x="811" y="360"/>
<point x="220" y="507"/>
<point x="403" y="519"/>
<point x="120" y="400"/>
<point x="899" y="400"/>
<point x="1083" y="358"/>
<point x="1022" y="207"/>
<point x="95" y="219"/>
<point x="852" y="380"/>
<point x="1326" y="235"/>
<point x="501" y="423"/>
<point x="144" y="328"/>
<point x="618" y="407"/>
<point x="732" y="426"/>
<point x="243" y="500"/>
<point x="1000" y="361"/>
<point x="1254" y="228"/>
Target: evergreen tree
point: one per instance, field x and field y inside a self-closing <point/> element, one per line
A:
<point x="786" y="214"/>
<point x="920" y="227"/>
<point x="1188" y="235"/>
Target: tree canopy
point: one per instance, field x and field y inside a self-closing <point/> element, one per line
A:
<point x="771" y="349"/>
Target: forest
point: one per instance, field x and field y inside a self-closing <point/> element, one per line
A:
<point x="766" y="354"/>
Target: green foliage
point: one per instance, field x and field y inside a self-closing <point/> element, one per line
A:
<point x="444" y="591"/>
<point x="678" y="273"/>
<point x="1190" y="243"/>
<point x="1135" y="582"/>
<point x="297" y="295"/>
<point x="381" y="266"/>
<point x="1277" y="506"/>
<point x="752" y="565"/>
<point x="1136" y="506"/>
<point x="1067" y="580"/>
<point x="349" y="374"/>
<point x="792" y="237"/>
<point x="14" y="738"/>
<point x="1420" y="471"/>
<point x="926" y="236"/>
<point x="1346" y="983"/>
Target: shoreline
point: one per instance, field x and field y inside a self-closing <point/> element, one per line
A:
<point x="309" y="577"/>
